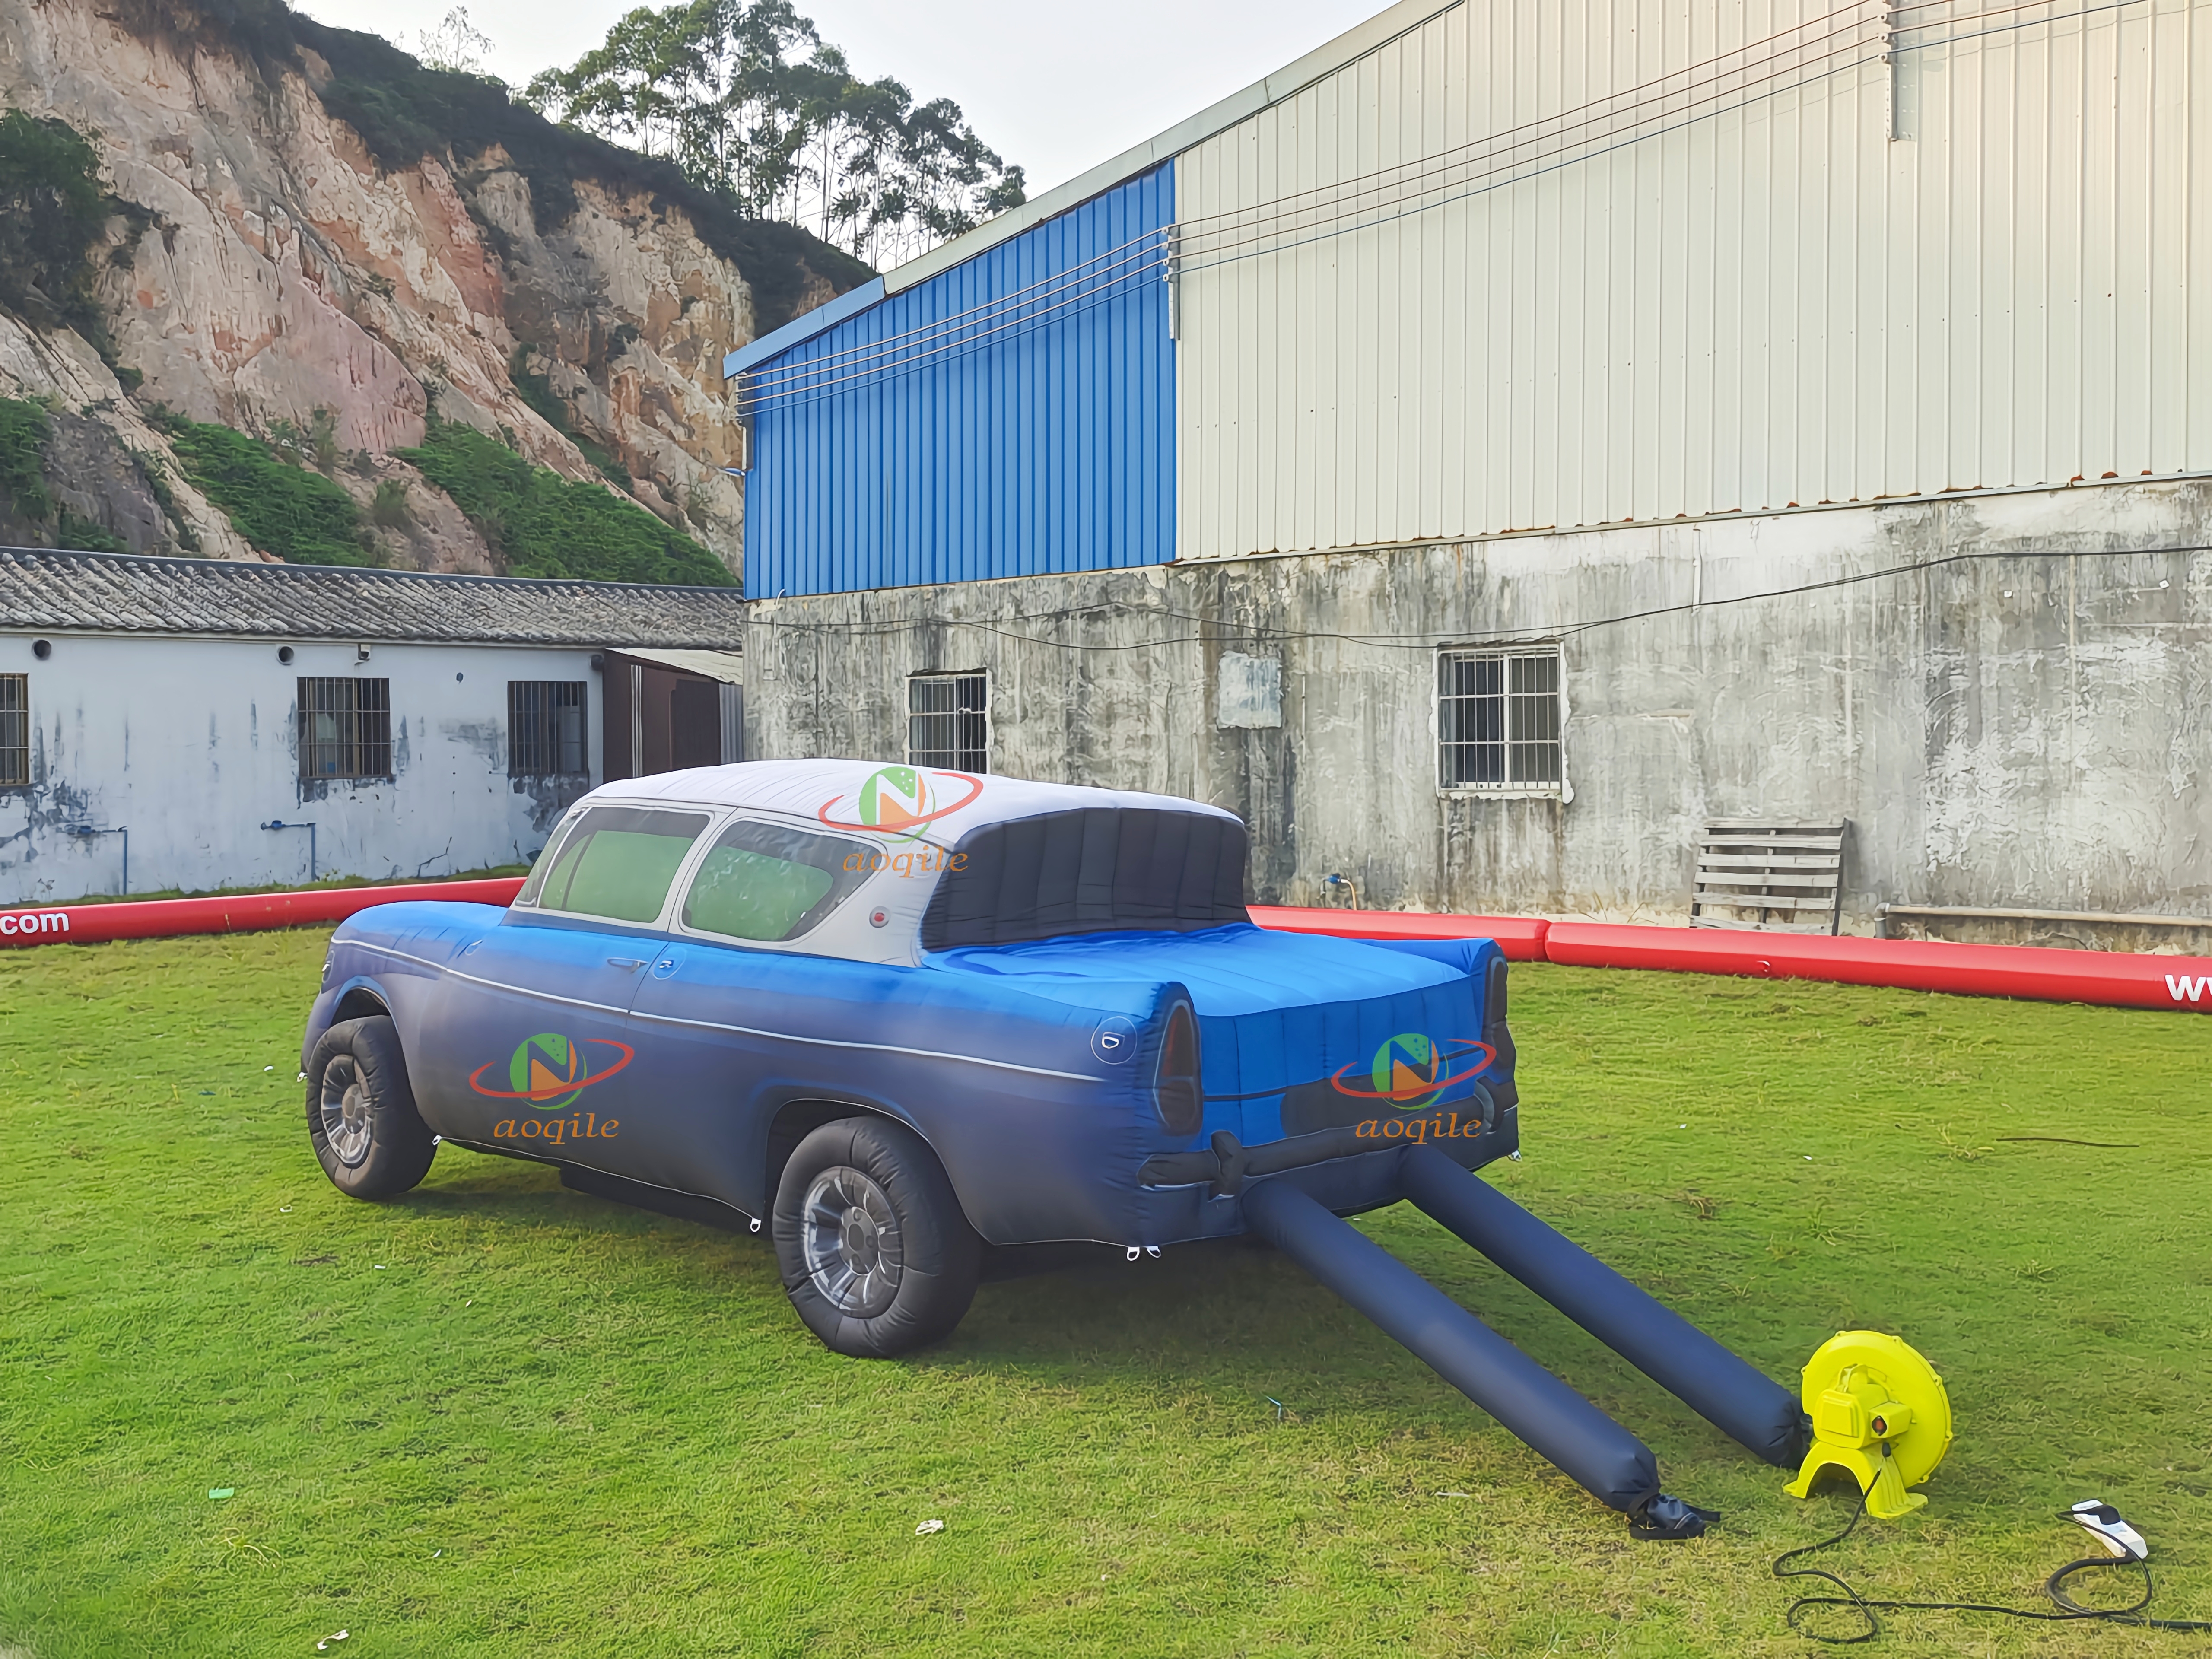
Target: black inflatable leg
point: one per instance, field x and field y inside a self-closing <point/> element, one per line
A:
<point x="1618" y="1468"/>
<point x="1742" y="1402"/>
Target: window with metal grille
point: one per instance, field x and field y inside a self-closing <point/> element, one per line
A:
<point x="545" y="728"/>
<point x="1498" y="720"/>
<point x="345" y="728"/>
<point x="14" y="731"/>
<point x="948" y="721"/>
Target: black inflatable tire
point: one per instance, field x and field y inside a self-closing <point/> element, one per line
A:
<point x="940" y="1255"/>
<point x="383" y="1147"/>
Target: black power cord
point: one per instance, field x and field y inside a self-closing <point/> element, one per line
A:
<point x="2071" y="1611"/>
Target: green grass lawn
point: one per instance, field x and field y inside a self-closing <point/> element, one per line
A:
<point x="499" y="1418"/>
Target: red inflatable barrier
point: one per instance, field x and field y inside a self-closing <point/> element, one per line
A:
<point x="244" y="913"/>
<point x="1522" y="938"/>
<point x="2116" y="979"/>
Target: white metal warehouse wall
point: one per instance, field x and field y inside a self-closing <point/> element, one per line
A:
<point x="1541" y="263"/>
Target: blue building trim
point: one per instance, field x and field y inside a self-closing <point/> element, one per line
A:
<point x="803" y="328"/>
<point x="1013" y="415"/>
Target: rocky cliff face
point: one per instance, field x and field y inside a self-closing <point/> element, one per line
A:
<point x="270" y="273"/>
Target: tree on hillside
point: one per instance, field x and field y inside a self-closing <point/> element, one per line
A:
<point x="456" y="45"/>
<point x="747" y="97"/>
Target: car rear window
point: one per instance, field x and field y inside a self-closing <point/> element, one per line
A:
<point x="769" y="882"/>
<point x="1094" y="870"/>
<point x="617" y="862"/>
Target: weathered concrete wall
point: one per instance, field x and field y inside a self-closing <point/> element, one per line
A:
<point x="2025" y="719"/>
<point x="193" y="744"/>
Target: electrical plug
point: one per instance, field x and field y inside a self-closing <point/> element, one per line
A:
<point x="2104" y="1523"/>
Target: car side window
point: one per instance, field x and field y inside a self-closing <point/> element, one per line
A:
<point x="617" y="862"/>
<point x="770" y="883"/>
<point x="549" y="855"/>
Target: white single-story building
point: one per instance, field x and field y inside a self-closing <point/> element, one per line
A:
<point x="217" y="724"/>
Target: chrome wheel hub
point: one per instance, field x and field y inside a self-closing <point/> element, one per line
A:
<point x="344" y="1106"/>
<point x="855" y="1254"/>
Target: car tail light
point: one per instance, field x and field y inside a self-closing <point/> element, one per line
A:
<point x="1175" y="1092"/>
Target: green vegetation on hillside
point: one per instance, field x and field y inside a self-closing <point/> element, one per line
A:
<point x="52" y="207"/>
<point x="544" y="524"/>
<point x="53" y="211"/>
<point x="277" y="504"/>
<point x="22" y="469"/>
<point x="24" y="429"/>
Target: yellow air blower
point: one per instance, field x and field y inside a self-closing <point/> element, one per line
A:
<point x="1880" y="1413"/>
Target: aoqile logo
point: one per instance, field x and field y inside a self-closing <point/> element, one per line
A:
<point x="901" y="799"/>
<point x="550" y="1071"/>
<point x="1413" y="1071"/>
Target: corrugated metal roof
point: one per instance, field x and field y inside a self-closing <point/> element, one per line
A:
<point x="1012" y="416"/>
<point x="727" y="666"/>
<point x="1326" y="59"/>
<point x="126" y="593"/>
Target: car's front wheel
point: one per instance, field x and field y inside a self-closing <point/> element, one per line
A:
<point x="876" y="1254"/>
<point x="361" y="1121"/>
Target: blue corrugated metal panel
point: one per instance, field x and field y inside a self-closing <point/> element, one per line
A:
<point x="1012" y="416"/>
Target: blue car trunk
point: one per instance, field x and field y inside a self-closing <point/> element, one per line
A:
<point x="1298" y="1032"/>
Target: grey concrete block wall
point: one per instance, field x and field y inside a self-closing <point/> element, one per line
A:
<point x="2009" y="694"/>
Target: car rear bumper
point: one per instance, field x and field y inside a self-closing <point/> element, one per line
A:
<point x="1192" y="1195"/>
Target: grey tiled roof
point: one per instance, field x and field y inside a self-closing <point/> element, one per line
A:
<point x="127" y="593"/>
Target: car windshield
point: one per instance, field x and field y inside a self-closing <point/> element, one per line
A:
<point x="616" y="862"/>
<point x="771" y="882"/>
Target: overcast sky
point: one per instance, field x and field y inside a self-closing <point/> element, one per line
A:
<point x="1055" y="88"/>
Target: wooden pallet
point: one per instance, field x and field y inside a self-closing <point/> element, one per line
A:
<point x="1776" y="877"/>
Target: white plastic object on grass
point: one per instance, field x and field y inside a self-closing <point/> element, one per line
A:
<point x="928" y="1527"/>
<point x="2104" y="1525"/>
<point x="323" y="1646"/>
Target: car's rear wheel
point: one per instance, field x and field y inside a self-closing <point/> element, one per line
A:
<point x="362" y="1120"/>
<point x="875" y="1253"/>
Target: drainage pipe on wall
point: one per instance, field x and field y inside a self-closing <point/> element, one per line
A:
<point x="279" y="823"/>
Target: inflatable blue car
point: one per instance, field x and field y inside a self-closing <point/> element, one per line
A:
<point x="901" y="1017"/>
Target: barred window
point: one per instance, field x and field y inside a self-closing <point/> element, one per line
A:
<point x="345" y="728"/>
<point x="14" y="731"/>
<point x="948" y="721"/>
<point x="545" y="728"/>
<point x="1498" y="720"/>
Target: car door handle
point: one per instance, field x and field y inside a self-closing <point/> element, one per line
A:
<point x="625" y="962"/>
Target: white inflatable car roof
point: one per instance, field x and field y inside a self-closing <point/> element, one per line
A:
<point x="873" y="797"/>
<point x="913" y="816"/>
